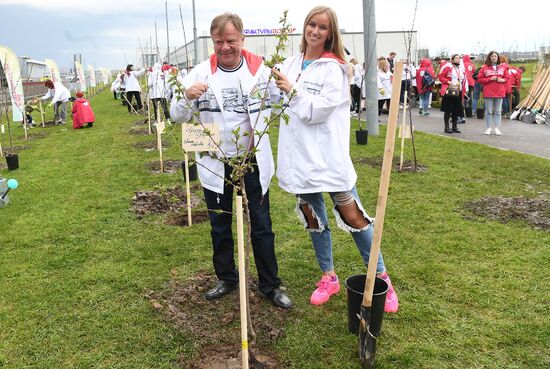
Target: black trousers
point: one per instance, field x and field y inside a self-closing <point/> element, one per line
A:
<point x="356" y="96"/>
<point x="263" y="238"/>
<point x="137" y="94"/>
<point x="163" y="104"/>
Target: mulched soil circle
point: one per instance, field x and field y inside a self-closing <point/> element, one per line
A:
<point x="181" y="219"/>
<point x="140" y="122"/>
<point x="169" y="166"/>
<point x="37" y="135"/>
<point x="214" y="325"/>
<point x="15" y="149"/>
<point x="139" y="131"/>
<point x="408" y="165"/>
<point x="150" y="145"/>
<point x="536" y="212"/>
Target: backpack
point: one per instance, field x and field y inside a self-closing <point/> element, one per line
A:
<point x="427" y="80"/>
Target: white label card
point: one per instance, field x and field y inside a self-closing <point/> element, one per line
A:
<point x="202" y="137"/>
<point x="3" y="129"/>
<point x="160" y="127"/>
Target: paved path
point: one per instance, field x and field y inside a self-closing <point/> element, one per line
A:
<point x="533" y="139"/>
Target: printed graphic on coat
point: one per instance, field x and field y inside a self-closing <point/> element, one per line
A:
<point x="312" y="88"/>
<point x="208" y="102"/>
<point x="234" y="100"/>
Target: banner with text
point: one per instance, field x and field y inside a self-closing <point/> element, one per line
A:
<point x="12" y="71"/>
<point x="80" y="74"/>
<point x="54" y="71"/>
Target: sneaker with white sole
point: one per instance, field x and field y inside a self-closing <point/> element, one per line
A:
<point x="487" y="131"/>
<point x="326" y="287"/>
<point x="392" y="302"/>
<point x="497" y="132"/>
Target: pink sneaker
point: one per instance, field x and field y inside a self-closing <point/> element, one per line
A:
<point x="392" y="302"/>
<point x="326" y="287"/>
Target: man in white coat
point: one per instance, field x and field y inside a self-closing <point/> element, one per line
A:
<point x="59" y="96"/>
<point x="224" y="89"/>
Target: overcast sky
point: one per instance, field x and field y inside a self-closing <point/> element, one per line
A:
<point x="106" y="32"/>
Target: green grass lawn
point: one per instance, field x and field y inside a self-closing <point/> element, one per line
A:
<point x="76" y="264"/>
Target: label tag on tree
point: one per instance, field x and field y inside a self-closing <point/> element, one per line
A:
<point x="160" y="127"/>
<point x="202" y="137"/>
<point x="3" y="129"/>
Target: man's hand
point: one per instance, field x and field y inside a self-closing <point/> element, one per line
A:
<point x="196" y="90"/>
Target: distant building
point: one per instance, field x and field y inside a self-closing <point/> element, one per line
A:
<point x="263" y="42"/>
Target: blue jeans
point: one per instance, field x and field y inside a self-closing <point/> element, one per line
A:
<point x="425" y="100"/>
<point x="322" y="239"/>
<point x="476" y="94"/>
<point x="493" y="111"/>
<point x="263" y="238"/>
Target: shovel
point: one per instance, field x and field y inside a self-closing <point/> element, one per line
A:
<point x="367" y="335"/>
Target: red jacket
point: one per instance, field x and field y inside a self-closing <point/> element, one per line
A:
<point x="446" y="76"/>
<point x="82" y="113"/>
<point x="470" y="69"/>
<point x="425" y="67"/>
<point x="493" y="88"/>
<point x="515" y="78"/>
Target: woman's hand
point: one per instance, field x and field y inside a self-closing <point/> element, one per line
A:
<point x="501" y="80"/>
<point x="196" y="90"/>
<point x="281" y="81"/>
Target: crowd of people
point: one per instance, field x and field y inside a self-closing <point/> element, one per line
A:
<point x="457" y="80"/>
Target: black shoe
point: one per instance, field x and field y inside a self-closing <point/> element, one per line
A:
<point x="456" y="130"/>
<point x="447" y="130"/>
<point x="280" y="299"/>
<point x="221" y="289"/>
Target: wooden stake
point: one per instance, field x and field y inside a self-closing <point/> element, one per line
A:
<point x="41" y="113"/>
<point x="149" y="114"/>
<point x="402" y="130"/>
<point x="1" y="140"/>
<point x="188" y="190"/>
<point x="160" y="129"/>
<point x="25" y="125"/>
<point x="242" y="281"/>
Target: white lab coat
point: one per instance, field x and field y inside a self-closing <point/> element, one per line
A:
<point x="211" y="111"/>
<point x="57" y="93"/>
<point x="313" y="151"/>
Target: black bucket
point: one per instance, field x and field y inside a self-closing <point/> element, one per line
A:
<point x="362" y="136"/>
<point x="355" y="285"/>
<point x="13" y="161"/>
<point x="479" y="113"/>
<point x="192" y="171"/>
<point x="468" y="112"/>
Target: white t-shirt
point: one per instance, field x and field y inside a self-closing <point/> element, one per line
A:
<point x="235" y="106"/>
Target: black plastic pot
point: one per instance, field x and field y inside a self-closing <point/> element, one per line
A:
<point x="355" y="285"/>
<point x="192" y="171"/>
<point x="13" y="161"/>
<point x="362" y="136"/>
<point x="480" y="112"/>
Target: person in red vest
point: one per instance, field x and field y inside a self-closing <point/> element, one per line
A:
<point x="82" y="112"/>
<point x="453" y="89"/>
<point x="469" y="69"/>
<point x="493" y="76"/>
<point x="425" y="84"/>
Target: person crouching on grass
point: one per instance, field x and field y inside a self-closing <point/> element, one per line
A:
<point x="82" y="112"/>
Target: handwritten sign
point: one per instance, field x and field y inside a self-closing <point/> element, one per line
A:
<point x="202" y="137"/>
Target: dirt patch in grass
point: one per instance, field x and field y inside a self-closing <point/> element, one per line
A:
<point x="150" y="145"/>
<point x="139" y="131"/>
<point x="47" y="124"/>
<point x="536" y="212"/>
<point x="214" y="326"/>
<point x="3" y="166"/>
<point x="15" y="149"/>
<point x="37" y="135"/>
<point x="408" y="165"/>
<point x="140" y="122"/>
<point x="169" y="166"/>
<point x="171" y="202"/>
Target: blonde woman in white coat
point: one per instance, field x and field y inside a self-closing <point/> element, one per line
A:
<point x="384" y="80"/>
<point x="313" y="150"/>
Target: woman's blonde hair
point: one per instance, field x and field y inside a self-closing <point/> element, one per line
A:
<point x="382" y="63"/>
<point x="334" y="42"/>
